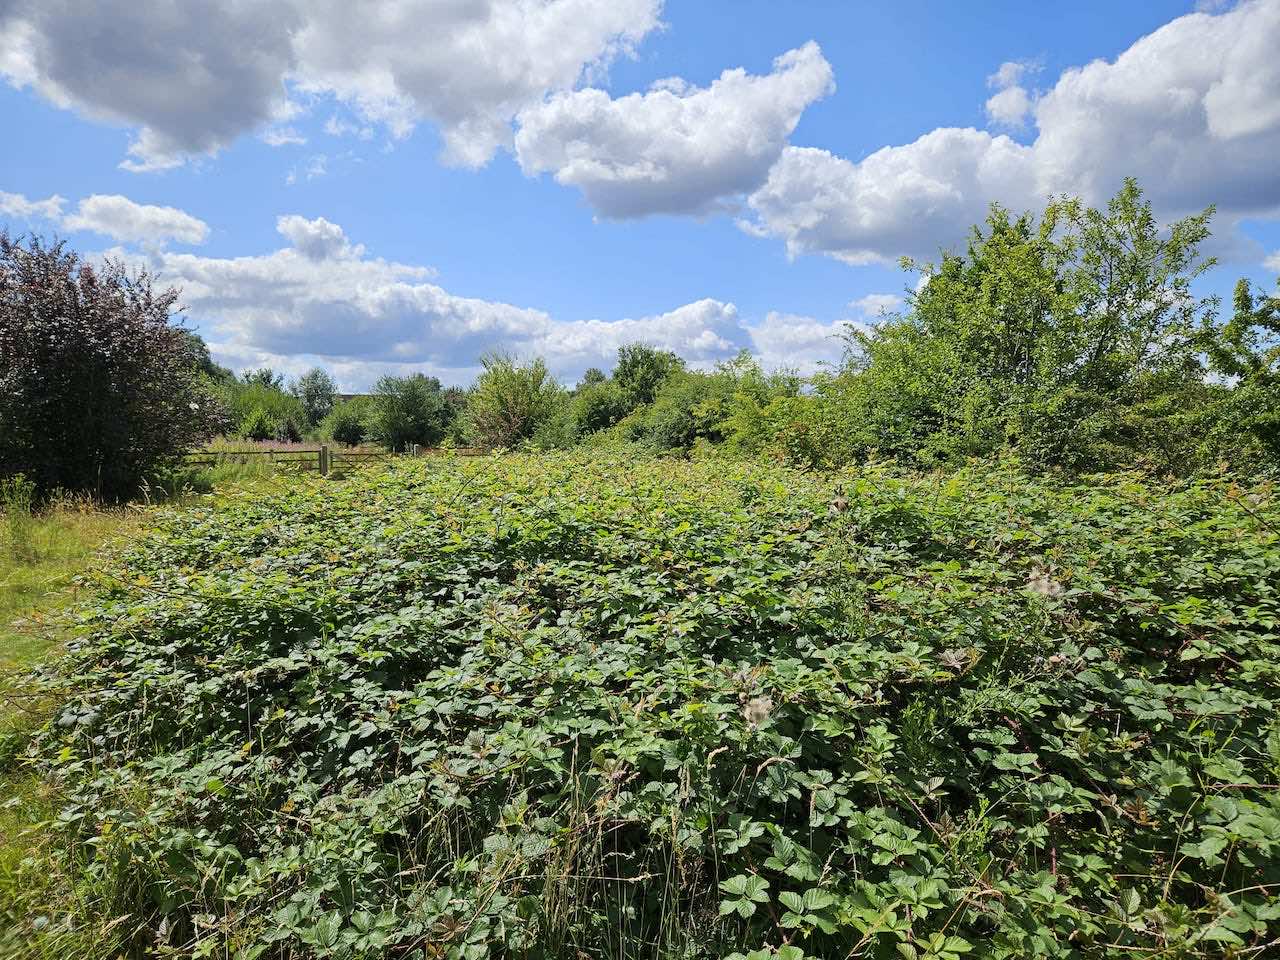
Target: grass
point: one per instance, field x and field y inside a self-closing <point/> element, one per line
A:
<point x="36" y="575"/>
<point x="41" y="557"/>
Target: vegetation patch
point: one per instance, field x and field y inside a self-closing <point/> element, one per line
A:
<point x="555" y="705"/>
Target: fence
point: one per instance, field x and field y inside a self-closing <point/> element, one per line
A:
<point x="321" y="459"/>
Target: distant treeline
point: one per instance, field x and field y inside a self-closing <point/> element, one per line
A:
<point x="1071" y="340"/>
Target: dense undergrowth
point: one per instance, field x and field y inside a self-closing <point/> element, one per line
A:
<point x="556" y="706"/>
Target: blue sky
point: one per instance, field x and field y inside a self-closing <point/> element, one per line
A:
<point x="407" y="190"/>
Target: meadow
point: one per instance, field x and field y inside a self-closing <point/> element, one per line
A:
<point x="571" y="704"/>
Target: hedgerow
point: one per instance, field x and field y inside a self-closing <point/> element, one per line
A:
<point x="557" y="706"/>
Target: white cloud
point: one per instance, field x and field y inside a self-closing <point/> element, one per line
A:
<point x="317" y="166"/>
<point x="1010" y="74"/>
<point x="17" y="206"/>
<point x="676" y="148"/>
<point x="1273" y="262"/>
<point x="317" y="239"/>
<point x="322" y="299"/>
<point x="874" y="304"/>
<point x="1010" y="107"/>
<point x="803" y="344"/>
<point x="112" y="216"/>
<point x="337" y="127"/>
<point x="899" y="200"/>
<point x="1192" y="110"/>
<point x="121" y="219"/>
<point x="192" y="77"/>
<point x="282" y="137"/>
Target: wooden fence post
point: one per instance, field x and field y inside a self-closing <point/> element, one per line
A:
<point x="324" y="459"/>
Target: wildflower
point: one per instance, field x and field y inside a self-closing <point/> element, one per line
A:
<point x="838" y="504"/>
<point x="757" y="710"/>
<point x="1044" y="585"/>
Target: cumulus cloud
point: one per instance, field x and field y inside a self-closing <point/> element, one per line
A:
<point x="1273" y="262"/>
<point x="899" y="200"/>
<point x="19" y="207"/>
<point x="1192" y="110"/>
<point x="1011" y="104"/>
<point x="322" y="298"/>
<point x="190" y="78"/>
<point x="791" y="342"/>
<point x="1010" y="107"/>
<point x="112" y="216"/>
<point x="121" y="219"/>
<point x="675" y="148"/>
<point x="317" y="239"/>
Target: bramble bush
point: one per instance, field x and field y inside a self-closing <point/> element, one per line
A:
<point x="555" y="706"/>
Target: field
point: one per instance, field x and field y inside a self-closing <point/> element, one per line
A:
<point x="572" y="706"/>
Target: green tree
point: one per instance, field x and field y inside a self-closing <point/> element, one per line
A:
<point x="1054" y="336"/>
<point x="641" y="370"/>
<point x="510" y="401"/>
<point x="263" y="377"/>
<point x="408" y="410"/>
<point x="592" y="376"/>
<point x="316" y="391"/>
<point x="203" y="359"/>
<point x="1242" y="425"/>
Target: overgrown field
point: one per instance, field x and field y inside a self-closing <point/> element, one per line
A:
<point x="555" y="706"/>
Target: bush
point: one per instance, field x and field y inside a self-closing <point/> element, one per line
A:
<point x="346" y="423"/>
<point x="510" y="401"/>
<point x="262" y="411"/>
<point x="564" y="706"/>
<point x="257" y="425"/>
<point x="406" y="410"/>
<point x="98" y="386"/>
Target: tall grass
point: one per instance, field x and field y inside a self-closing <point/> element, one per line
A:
<point x="45" y="905"/>
<point x="17" y="497"/>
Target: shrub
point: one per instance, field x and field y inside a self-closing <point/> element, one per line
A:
<point x="407" y="410"/>
<point x="262" y="408"/>
<point x="257" y="425"/>
<point x="564" y="706"/>
<point x="98" y="386"/>
<point x="346" y="423"/>
<point x="510" y="401"/>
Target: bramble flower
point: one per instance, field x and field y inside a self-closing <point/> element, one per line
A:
<point x="1044" y="585"/>
<point x="757" y="710"/>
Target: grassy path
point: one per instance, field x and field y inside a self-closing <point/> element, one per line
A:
<point x="40" y="560"/>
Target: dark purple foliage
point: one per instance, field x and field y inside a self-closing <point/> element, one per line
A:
<point x="99" y="389"/>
